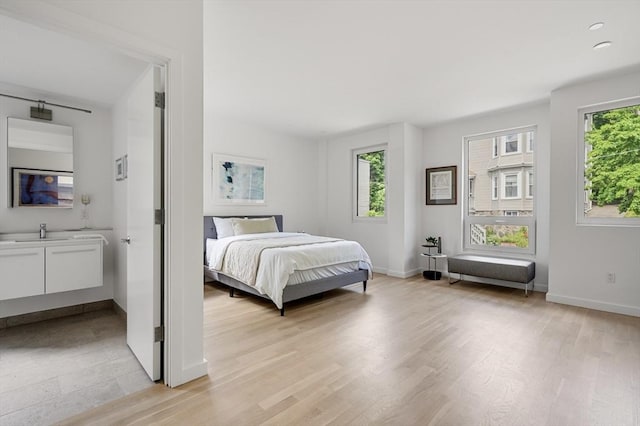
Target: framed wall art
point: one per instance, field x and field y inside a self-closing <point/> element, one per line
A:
<point x="42" y="188"/>
<point x="120" y="173"/>
<point x="238" y="180"/>
<point x="441" y="185"/>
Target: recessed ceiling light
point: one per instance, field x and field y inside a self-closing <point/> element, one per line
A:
<point x="596" y="26"/>
<point x="602" y="45"/>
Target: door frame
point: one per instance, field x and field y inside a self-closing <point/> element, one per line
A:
<point x="183" y="342"/>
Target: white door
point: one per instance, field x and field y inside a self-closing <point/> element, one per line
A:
<point x="144" y="196"/>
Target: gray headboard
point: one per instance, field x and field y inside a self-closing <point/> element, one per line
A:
<point x="210" y="229"/>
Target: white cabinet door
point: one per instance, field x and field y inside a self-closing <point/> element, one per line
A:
<point x="22" y="272"/>
<point x="72" y="267"/>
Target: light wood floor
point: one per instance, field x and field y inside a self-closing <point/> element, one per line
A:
<point x="408" y="352"/>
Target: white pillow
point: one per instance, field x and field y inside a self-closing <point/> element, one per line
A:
<point x="254" y="226"/>
<point x="224" y="227"/>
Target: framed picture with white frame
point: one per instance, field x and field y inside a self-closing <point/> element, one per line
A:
<point x="238" y="180"/>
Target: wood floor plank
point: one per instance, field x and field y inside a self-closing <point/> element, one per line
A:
<point x="408" y="351"/>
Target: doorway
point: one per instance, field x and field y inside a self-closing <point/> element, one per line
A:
<point x="93" y="166"/>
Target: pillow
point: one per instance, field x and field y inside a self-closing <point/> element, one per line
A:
<point x="224" y="227"/>
<point x="254" y="226"/>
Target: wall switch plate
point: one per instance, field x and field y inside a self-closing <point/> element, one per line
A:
<point x="611" y="277"/>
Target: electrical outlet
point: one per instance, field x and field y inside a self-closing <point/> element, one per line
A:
<point x="611" y="277"/>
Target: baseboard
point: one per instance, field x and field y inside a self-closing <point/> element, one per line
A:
<point x="403" y="274"/>
<point x="594" y="304"/>
<point x="118" y="310"/>
<point x="50" y="314"/>
<point x="380" y="270"/>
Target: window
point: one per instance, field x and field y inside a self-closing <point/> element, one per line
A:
<point x="499" y="208"/>
<point x="511" y="188"/>
<point x="370" y="182"/>
<point x="510" y="144"/>
<point x="609" y="178"/>
<point x="530" y="141"/>
<point x="495" y="186"/>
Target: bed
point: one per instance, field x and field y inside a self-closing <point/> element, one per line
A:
<point x="269" y="284"/>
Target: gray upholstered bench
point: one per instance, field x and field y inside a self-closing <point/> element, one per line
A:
<point x="499" y="268"/>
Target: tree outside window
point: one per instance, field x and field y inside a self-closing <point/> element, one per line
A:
<point x="612" y="169"/>
<point x="371" y="184"/>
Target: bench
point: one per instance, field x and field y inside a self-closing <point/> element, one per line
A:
<point x="499" y="268"/>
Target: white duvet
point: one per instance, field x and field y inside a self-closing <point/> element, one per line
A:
<point x="266" y="261"/>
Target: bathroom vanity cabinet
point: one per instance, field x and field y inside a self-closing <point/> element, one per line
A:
<point x="35" y="267"/>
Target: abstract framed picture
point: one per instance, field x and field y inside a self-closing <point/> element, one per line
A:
<point x="441" y="185"/>
<point x="238" y="180"/>
<point x="42" y="188"/>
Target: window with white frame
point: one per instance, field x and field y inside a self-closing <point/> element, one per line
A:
<point x="510" y="144"/>
<point x="510" y="185"/>
<point x="501" y="215"/>
<point x="495" y="185"/>
<point x="370" y="182"/>
<point x="530" y="141"/>
<point x="609" y="178"/>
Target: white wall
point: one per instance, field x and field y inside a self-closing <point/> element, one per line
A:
<point x="338" y="204"/>
<point x="413" y="176"/>
<point x="403" y="169"/>
<point x="159" y="31"/>
<point x="580" y="256"/>
<point x="291" y="171"/>
<point x="443" y="146"/>
<point x="119" y="188"/>
<point x="392" y="243"/>
<point x="92" y="175"/>
<point x="91" y="159"/>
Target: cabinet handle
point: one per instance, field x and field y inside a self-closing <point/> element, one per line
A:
<point x="126" y="240"/>
<point x="18" y="254"/>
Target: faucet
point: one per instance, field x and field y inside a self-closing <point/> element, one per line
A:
<point x="43" y="231"/>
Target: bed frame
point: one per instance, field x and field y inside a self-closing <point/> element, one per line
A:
<point x="289" y="294"/>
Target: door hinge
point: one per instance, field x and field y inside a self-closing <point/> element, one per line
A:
<point x="159" y="216"/>
<point x="159" y="100"/>
<point x="158" y="334"/>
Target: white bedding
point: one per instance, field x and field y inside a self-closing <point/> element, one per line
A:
<point x="279" y="255"/>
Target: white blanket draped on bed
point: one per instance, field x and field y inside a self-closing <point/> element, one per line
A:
<point x="265" y="261"/>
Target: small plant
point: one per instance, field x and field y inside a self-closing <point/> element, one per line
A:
<point x="432" y="241"/>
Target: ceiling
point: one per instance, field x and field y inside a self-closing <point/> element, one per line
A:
<point x="315" y="68"/>
<point x="62" y="66"/>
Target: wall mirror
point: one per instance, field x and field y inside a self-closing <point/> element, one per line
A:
<point x="40" y="163"/>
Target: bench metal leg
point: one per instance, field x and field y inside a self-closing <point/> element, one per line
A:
<point x="453" y="282"/>
<point x="364" y="286"/>
<point x="526" y="287"/>
<point x="231" y="291"/>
